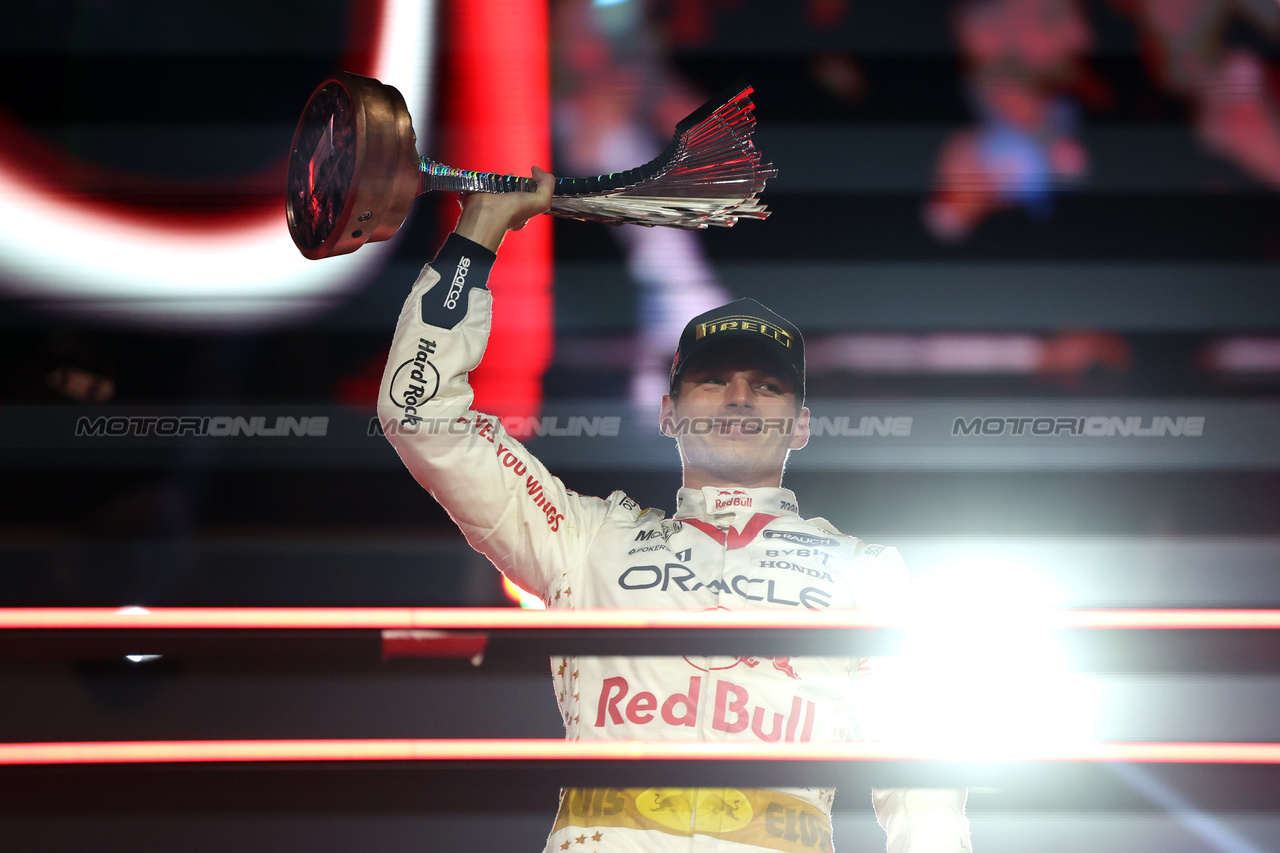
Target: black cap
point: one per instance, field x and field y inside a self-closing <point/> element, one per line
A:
<point x="744" y="320"/>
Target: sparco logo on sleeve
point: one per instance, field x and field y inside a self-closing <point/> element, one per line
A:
<point x="801" y="538"/>
<point x="459" y="281"/>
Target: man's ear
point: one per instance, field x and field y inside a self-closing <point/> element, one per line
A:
<point x="800" y="437"/>
<point x="667" y="417"/>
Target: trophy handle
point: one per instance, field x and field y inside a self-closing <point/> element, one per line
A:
<point x="437" y="177"/>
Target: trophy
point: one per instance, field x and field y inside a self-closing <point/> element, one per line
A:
<point x="354" y="171"/>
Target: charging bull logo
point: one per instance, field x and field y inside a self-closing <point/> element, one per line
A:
<point x="718" y="809"/>
<point x="781" y="664"/>
<point x="670" y="805"/>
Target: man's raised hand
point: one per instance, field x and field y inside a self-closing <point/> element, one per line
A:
<point x="487" y="217"/>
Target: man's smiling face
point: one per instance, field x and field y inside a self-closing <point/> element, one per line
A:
<point x="735" y="416"/>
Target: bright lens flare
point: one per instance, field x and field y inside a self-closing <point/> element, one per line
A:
<point x="982" y="671"/>
<point x="527" y="600"/>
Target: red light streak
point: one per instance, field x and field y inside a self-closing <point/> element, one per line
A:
<point x="497" y="118"/>
<point x="501" y="618"/>
<point x="320" y="156"/>
<point x="230" y="204"/>
<point x="125" y="247"/>
<point x="549" y="749"/>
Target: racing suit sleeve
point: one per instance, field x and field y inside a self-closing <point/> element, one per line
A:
<point x="506" y="503"/>
<point x="915" y="820"/>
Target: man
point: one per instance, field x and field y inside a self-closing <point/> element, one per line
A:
<point x="736" y="542"/>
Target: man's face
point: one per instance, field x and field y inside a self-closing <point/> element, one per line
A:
<point x="735" y="418"/>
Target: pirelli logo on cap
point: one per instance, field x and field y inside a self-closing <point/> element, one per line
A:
<point x="742" y="324"/>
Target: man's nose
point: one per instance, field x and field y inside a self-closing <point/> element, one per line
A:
<point x="740" y="393"/>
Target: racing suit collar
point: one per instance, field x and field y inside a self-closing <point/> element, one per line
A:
<point x="733" y="504"/>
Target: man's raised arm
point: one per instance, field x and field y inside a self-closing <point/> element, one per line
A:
<point x="505" y="502"/>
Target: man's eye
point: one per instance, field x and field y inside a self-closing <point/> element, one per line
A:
<point x="713" y="380"/>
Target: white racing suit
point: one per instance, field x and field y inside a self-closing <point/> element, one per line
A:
<point x="732" y="549"/>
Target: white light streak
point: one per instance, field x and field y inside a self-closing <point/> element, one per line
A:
<point x="74" y="258"/>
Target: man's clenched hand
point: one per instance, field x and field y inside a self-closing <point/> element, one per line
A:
<point x="487" y="217"/>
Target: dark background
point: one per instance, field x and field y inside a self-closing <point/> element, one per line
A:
<point x="1163" y="252"/>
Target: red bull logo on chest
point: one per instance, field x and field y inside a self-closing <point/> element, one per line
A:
<point x="733" y="710"/>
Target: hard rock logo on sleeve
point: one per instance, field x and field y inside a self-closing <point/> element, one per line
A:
<point x="415" y="382"/>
